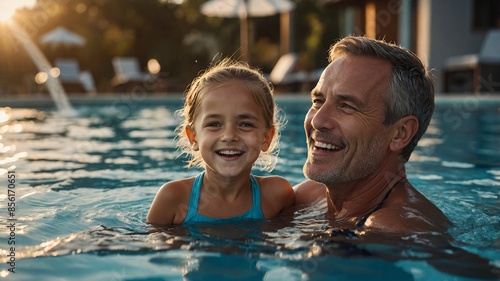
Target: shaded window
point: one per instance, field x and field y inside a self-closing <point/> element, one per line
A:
<point x="486" y="14"/>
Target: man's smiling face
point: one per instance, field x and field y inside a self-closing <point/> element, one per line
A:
<point x="346" y="137"/>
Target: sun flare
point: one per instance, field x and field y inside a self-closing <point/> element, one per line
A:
<point x="9" y="7"/>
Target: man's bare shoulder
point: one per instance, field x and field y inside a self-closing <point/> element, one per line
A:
<point x="308" y="192"/>
<point x="405" y="220"/>
<point x="409" y="211"/>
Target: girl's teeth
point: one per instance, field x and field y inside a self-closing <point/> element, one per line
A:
<point x="229" y="152"/>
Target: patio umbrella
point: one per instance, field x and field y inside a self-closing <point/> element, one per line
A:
<point x="62" y="37"/>
<point x="243" y="9"/>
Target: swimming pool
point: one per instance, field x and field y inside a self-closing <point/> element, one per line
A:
<point x="83" y="187"/>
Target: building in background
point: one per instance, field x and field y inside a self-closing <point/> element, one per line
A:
<point x="449" y="35"/>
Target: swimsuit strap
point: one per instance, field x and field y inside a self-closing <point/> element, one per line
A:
<point x="194" y="198"/>
<point x="256" y="209"/>
<point x="254" y="213"/>
<point x="362" y="221"/>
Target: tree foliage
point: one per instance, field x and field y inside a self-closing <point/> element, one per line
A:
<point x="175" y="33"/>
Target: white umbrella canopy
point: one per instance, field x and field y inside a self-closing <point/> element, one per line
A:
<point x="246" y="8"/>
<point x="63" y="37"/>
<point x="243" y="9"/>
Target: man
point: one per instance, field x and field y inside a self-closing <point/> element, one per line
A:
<point x="369" y="109"/>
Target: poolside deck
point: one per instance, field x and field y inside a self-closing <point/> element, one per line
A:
<point x="44" y="100"/>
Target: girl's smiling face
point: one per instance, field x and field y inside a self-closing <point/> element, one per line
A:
<point x="229" y="130"/>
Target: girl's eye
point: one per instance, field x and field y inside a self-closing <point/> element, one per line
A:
<point x="246" y="124"/>
<point x="213" y="124"/>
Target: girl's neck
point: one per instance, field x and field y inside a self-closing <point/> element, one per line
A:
<point x="228" y="188"/>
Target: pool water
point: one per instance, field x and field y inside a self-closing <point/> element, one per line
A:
<point x="83" y="187"/>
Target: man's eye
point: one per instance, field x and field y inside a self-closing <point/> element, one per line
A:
<point x="317" y="102"/>
<point x="347" y="106"/>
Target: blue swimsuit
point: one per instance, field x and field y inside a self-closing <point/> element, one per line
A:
<point x="255" y="212"/>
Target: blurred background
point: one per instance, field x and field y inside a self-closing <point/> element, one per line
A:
<point x="172" y="40"/>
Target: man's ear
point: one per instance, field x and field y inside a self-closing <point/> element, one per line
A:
<point x="405" y="129"/>
<point x="192" y="138"/>
<point x="268" y="138"/>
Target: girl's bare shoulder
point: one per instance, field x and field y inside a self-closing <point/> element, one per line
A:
<point x="176" y="190"/>
<point x="276" y="194"/>
<point x="274" y="183"/>
<point x="170" y="203"/>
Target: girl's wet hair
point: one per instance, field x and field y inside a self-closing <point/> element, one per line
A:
<point x="217" y="75"/>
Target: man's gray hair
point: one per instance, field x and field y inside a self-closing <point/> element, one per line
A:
<point x="411" y="90"/>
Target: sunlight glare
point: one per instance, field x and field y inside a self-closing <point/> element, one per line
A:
<point x="55" y="72"/>
<point x="154" y="66"/>
<point x="4" y="116"/>
<point x="9" y="7"/>
<point x="41" y="77"/>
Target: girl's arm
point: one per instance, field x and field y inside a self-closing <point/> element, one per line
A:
<point x="169" y="205"/>
<point x="276" y="195"/>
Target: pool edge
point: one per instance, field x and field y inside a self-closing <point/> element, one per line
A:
<point x="133" y="98"/>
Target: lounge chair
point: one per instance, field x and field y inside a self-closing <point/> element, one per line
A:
<point x="128" y="74"/>
<point x="475" y="72"/>
<point x="72" y="79"/>
<point x="284" y="73"/>
<point x="87" y="81"/>
<point x="282" y="70"/>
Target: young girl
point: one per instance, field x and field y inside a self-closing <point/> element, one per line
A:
<point x="229" y="119"/>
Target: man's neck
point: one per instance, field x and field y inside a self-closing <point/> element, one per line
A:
<point x="357" y="198"/>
